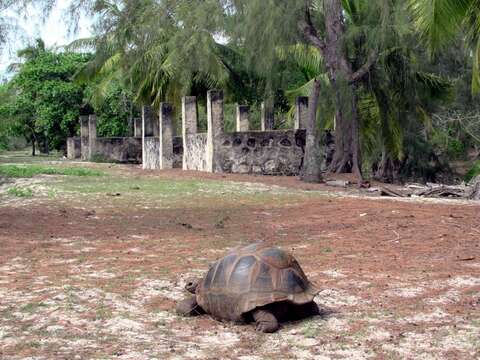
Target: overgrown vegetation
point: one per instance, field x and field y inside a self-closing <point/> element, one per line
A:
<point x="473" y="172"/>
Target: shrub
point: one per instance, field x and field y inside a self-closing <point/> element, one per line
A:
<point x="473" y="172"/>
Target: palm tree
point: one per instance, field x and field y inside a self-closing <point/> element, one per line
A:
<point x="142" y="44"/>
<point x="394" y="99"/>
<point x="440" y="21"/>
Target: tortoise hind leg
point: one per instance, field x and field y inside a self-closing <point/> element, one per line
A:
<point x="265" y="321"/>
<point x="189" y="307"/>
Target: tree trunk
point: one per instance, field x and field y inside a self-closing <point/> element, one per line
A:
<point x="33" y="139"/>
<point x="128" y="108"/>
<point x="388" y="169"/>
<point x="312" y="160"/>
<point x="347" y="157"/>
<point x="343" y="80"/>
<point x="347" y="144"/>
<point x="46" y="149"/>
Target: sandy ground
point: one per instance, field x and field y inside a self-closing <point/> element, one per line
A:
<point x="95" y="274"/>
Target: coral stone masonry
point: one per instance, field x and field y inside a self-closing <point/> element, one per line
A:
<point x="155" y="146"/>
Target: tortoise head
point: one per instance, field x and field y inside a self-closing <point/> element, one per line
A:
<point x="191" y="284"/>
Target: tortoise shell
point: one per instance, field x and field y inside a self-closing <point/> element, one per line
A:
<point x="250" y="277"/>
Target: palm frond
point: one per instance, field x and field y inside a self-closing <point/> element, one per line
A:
<point x="438" y="20"/>
<point x="476" y="69"/>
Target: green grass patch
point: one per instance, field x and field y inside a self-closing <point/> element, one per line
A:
<point x="32" y="308"/>
<point x="25" y="157"/>
<point x="20" y="192"/>
<point x="28" y="171"/>
<point x="473" y="172"/>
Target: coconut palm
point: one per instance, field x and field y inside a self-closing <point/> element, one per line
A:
<point x="144" y="45"/>
<point x="440" y="21"/>
<point x="395" y="99"/>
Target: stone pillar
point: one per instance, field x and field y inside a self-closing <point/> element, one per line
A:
<point x="92" y="135"/>
<point x="150" y="142"/>
<point x="267" y="118"/>
<point x="166" y="136"/>
<point x="301" y="113"/>
<point x="137" y="127"/>
<point x="84" y="143"/>
<point x="242" y="118"/>
<point x="147" y="121"/>
<point x="71" y="151"/>
<point x="156" y="125"/>
<point x="214" y="129"/>
<point x="189" y="126"/>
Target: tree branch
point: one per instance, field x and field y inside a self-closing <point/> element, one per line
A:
<point x="357" y="75"/>
<point x="309" y="31"/>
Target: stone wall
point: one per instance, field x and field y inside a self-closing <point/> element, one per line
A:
<point x="269" y="152"/>
<point x="262" y="152"/>
<point x="177" y="151"/>
<point x="152" y="154"/>
<point x="118" y="149"/>
<point x="195" y="152"/>
<point x="151" y="150"/>
<point x="126" y="149"/>
<point x="74" y="148"/>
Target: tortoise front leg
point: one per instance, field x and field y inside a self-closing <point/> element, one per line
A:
<point x="189" y="307"/>
<point x="265" y="321"/>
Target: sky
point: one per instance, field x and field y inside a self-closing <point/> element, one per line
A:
<point x="54" y="31"/>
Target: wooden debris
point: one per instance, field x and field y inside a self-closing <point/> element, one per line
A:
<point x="470" y="258"/>
<point x="432" y="190"/>
<point x="436" y="190"/>
<point x="384" y="191"/>
<point x="337" y="183"/>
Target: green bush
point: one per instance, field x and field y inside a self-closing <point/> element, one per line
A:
<point x="473" y="172"/>
<point x="456" y="148"/>
<point x="29" y="171"/>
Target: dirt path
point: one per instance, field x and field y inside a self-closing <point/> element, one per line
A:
<point x="91" y="275"/>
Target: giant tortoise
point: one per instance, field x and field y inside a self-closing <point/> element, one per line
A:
<point x="257" y="283"/>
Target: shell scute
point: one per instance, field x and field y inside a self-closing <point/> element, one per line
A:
<point x="240" y="278"/>
<point x="263" y="281"/>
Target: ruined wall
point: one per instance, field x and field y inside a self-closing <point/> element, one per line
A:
<point x="271" y="152"/>
<point x="74" y="148"/>
<point x="177" y="151"/>
<point x="151" y="156"/>
<point x="279" y="152"/>
<point x="118" y="149"/>
<point x="152" y="152"/>
<point x="196" y="152"/>
<point x="262" y="152"/>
